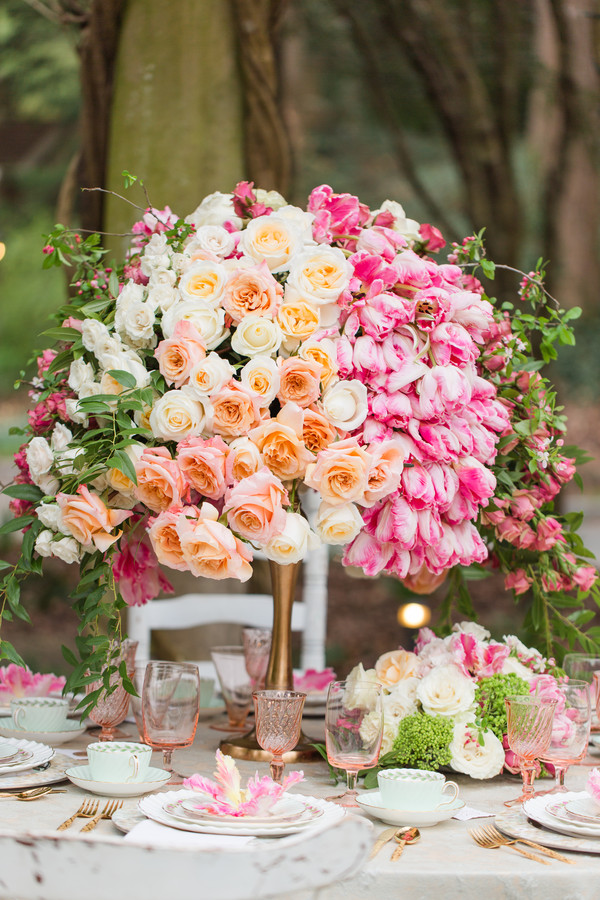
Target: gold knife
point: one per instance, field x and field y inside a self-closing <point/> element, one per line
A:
<point x="385" y="836"/>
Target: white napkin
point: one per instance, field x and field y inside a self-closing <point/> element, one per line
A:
<point x="153" y="834"/>
<point x="469" y="812"/>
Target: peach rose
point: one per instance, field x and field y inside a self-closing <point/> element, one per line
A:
<point x="254" y="506"/>
<point x="203" y="465"/>
<point x="165" y="540"/>
<point x="317" y="431"/>
<point x="120" y="482"/>
<point x="323" y="352"/>
<point x="252" y="291"/>
<point x="341" y="472"/>
<point x="160" y="483"/>
<point x="243" y="459"/>
<point x="396" y="666"/>
<point x="235" y="410"/>
<point x="384" y="477"/>
<point x="424" y="581"/>
<point x="178" y="355"/>
<point x="298" y="319"/>
<point x="210" y="549"/>
<point x="89" y="520"/>
<point x="280" y="443"/>
<point x="299" y="381"/>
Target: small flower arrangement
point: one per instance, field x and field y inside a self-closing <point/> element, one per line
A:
<point x="225" y="796"/>
<point x="313" y="681"/>
<point x="444" y="703"/>
<point x="592" y="785"/>
<point x="20" y="681"/>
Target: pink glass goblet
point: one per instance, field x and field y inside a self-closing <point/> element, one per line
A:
<point x="278" y="720"/>
<point x="353" y="731"/>
<point x="110" y="709"/>
<point x="529" y="731"/>
<point x="170" y="708"/>
<point x="257" y="649"/>
<point x="235" y="684"/>
<point x="570" y="731"/>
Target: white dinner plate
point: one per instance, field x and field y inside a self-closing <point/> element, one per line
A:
<point x="126" y="819"/>
<point x="515" y="824"/>
<point x="371" y="802"/>
<point x="72" y="729"/>
<point x="40" y="754"/>
<point x="82" y="777"/>
<point x="536" y="810"/>
<point x="153" y="807"/>
<point x="51" y="772"/>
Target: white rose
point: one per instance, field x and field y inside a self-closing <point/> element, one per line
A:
<point x="446" y="691"/>
<point x="176" y="416"/>
<point x="272" y="199"/>
<point x="132" y="292"/>
<point x="161" y="277"/>
<point x="304" y="221"/>
<point x="61" y="437"/>
<point x="210" y="375"/>
<point x="74" y="413"/>
<point x="390" y="732"/>
<point x="255" y="336"/>
<point x="338" y="524"/>
<point x="513" y="666"/>
<point x="362" y="688"/>
<point x="215" y="209"/>
<point x="50" y="515"/>
<point x="67" y="549"/>
<point x="136" y="321"/>
<point x="272" y="238"/>
<point x="345" y="404"/>
<point x="212" y="239"/>
<point x="162" y="296"/>
<point x="93" y="334"/>
<point x="407" y="227"/>
<point x="209" y="322"/>
<point x="371" y="728"/>
<point x="402" y="699"/>
<point x="261" y="375"/>
<point x="156" y="254"/>
<point x="472" y="758"/>
<point x="65" y="460"/>
<point x="478" y="631"/>
<point x="109" y="350"/>
<point x="204" y="281"/>
<point x="40" y="458"/>
<point x="293" y="543"/>
<point x="320" y="274"/>
<point x="43" y="543"/>
<point x="129" y="361"/>
<point x="48" y="484"/>
<point x="80" y="373"/>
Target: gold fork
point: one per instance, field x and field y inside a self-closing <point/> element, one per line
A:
<point x="483" y="840"/>
<point x="107" y="813"/>
<point x="87" y="809"/>
<point x="30" y="794"/>
<point x="494" y="834"/>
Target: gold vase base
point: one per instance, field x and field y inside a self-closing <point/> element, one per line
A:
<point x="247" y="747"/>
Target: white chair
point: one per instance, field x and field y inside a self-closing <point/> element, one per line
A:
<point x="309" y="616"/>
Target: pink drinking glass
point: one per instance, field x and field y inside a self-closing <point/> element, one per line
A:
<point x="570" y="731"/>
<point x="235" y="684"/>
<point x="353" y="731"/>
<point x="529" y="731"/>
<point x="257" y="649"/>
<point x="278" y="720"/>
<point x="110" y="709"/>
<point x="170" y="707"/>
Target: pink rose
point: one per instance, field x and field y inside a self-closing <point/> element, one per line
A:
<point x="178" y="355"/>
<point x="548" y="533"/>
<point x="517" y="581"/>
<point x="254" y="506"/>
<point x="592" y="785"/>
<point x="432" y="237"/>
<point x="585" y="576"/>
<point x="211" y="550"/>
<point x="341" y="472"/>
<point x="160" y="482"/>
<point x="89" y="520"/>
<point x="164" y="537"/>
<point x="202" y="463"/>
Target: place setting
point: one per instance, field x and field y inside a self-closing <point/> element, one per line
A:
<point x="44" y="719"/>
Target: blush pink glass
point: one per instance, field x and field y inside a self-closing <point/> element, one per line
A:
<point x="570" y="731"/>
<point x="170" y="707"/>
<point x="353" y="731"/>
<point x="236" y="687"/>
<point x="529" y="731"/>
<point x="111" y="708"/>
<point x="257" y="648"/>
<point x="278" y="720"/>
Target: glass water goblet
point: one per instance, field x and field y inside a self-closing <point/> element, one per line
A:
<point x="135" y="703"/>
<point x="570" y="731"/>
<point x="582" y="667"/>
<point x="236" y="687"/>
<point x="529" y="731"/>
<point x="353" y="731"/>
<point x="278" y="720"/>
<point x="170" y="708"/>
<point x="257" y="649"/>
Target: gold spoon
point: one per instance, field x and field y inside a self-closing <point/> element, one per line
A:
<point x="403" y="837"/>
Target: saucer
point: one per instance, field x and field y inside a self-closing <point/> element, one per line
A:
<point x="371" y="803"/>
<point x="82" y="777"/>
<point x="72" y="729"/>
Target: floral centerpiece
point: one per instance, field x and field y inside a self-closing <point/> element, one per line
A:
<point x="254" y="350"/>
<point x="444" y="704"/>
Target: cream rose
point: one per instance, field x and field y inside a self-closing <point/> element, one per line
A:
<point x="293" y="542"/>
<point x="338" y="524"/>
<point x="210" y="375"/>
<point x="261" y="375"/>
<point x="298" y="320"/>
<point x="320" y="274"/>
<point x="271" y="199"/>
<point x="345" y="404"/>
<point x="50" y="515"/>
<point x="162" y="296"/>
<point x="210" y="323"/>
<point x="390" y="733"/>
<point x="256" y="336"/>
<point x="273" y="239"/>
<point x="66" y="549"/>
<point x="40" y="458"/>
<point x="204" y="281"/>
<point x="371" y="729"/>
<point x="213" y="239"/>
<point x="445" y="691"/>
<point x="61" y="438"/>
<point x="243" y="459"/>
<point x="80" y="374"/>
<point x="215" y="209"/>
<point x="176" y="416"/>
<point x="472" y="758"/>
<point x="395" y="666"/>
<point x="362" y="688"/>
<point x="401" y="700"/>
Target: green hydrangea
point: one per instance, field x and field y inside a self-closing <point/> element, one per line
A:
<point x="490" y="694"/>
<point x="422" y="742"/>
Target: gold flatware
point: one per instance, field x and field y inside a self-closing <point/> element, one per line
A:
<point x="31" y="793"/>
<point x="485" y="841"/>
<point x="87" y="810"/>
<point x="386" y="835"/>
<point x="403" y="837"/>
<point x="493" y="832"/>
<point x="107" y="813"/>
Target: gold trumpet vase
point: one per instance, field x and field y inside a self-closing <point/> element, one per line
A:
<point x="279" y="673"/>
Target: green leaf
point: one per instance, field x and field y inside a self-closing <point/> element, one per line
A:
<point x="23" y="492"/>
<point x="489" y="268"/>
<point x="60" y="362"/>
<point x="123" y="377"/>
<point x="16" y="524"/>
<point x="119" y="460"/>
<point x="62" y="334"/>
<point x="7" y="651"/>
<point x="113" y="284"/>
<point x="69" y="656"/>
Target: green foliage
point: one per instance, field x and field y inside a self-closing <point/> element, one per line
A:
<point x="490" y="695"/>
<point x="422" y="742"/>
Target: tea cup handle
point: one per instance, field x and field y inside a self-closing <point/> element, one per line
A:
<point x="17" y="716"/>
<point x="454" y="787"/>
<point x="135" y="762"/>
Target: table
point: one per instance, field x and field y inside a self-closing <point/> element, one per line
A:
<point x="38" y="864"/>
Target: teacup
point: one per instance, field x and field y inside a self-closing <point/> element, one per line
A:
<point x="415" y="789"/>
<point x="118" y="761"/>
<point x="39" y="713"/>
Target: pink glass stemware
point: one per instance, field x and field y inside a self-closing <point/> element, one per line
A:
<point x="353" y="731"/>
<point x="570" y="731"/>
<point x="257" y="648"/>
<point x="110" y="709"/>
<point x="235" y="684"/>
<point x="170" y="707"/>
<point x="529" y="731"/>
<point x="278" y="720"/>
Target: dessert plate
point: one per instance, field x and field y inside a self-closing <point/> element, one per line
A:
<point x="515" y="824"/>
<point x="537" y="810"/>
<point x="7" y="751"/>
<point x="82" y="777"/>
<point x="585" y="809"/>
<point x="31" y="754"/>
<point x="73" y="728"/>
<point x="287" y="811"/>
<point x="371" y="802"/>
